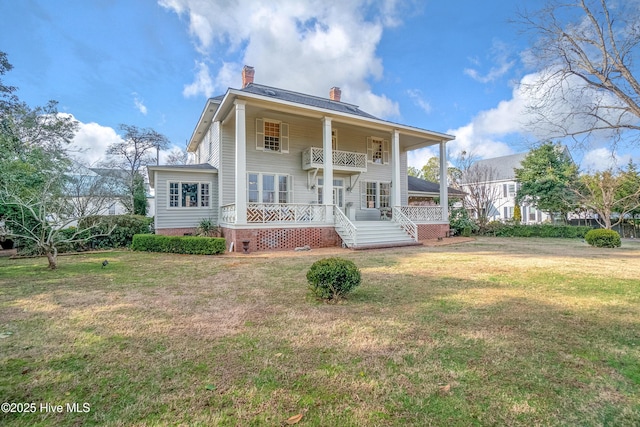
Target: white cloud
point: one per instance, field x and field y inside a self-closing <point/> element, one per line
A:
<point x="601" y="159"/>
<point x="91" y="141"/>
<point x="306" y="46"/>
<point x="419" y="100"/>
<point x="139" y="104"/>
<point x="203" y="83"/>
<point x="500" y="57"/>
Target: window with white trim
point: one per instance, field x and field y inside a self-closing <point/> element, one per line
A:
<point x="375" y="194"/>
<point x="269" y="188"/>
<point x="272" y="136"/>
<point x="377" y="150"/>
<point x="189" y="195"/>
<point x="112" y="209"/>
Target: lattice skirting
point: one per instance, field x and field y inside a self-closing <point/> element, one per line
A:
<point x="270" y="239"/>
<point x="432" y="231"/>
<point x="176" y="231"/>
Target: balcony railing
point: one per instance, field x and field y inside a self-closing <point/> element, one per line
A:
<point x="285" y="213"/>
<point x="313" y="157"/>
<point x="423" y="214"/>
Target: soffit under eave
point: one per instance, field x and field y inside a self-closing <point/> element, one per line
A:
<point x="425" y="138"/>
<point x="203" y="124"/>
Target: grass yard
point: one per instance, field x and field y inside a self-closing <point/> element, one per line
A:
<point x="494" y="332"/>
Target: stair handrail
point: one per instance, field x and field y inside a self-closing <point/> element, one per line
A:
<point x="342" y="221"/>
<point x="405" y="223"/>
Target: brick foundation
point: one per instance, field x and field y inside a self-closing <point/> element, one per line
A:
<point x="176" y="231"/>
<point x="270" y="239"/>
<point x="432" y="231"/>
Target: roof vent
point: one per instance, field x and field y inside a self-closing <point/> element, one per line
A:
<point x="270" y="92"/>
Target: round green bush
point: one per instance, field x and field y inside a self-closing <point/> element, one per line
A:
<point x="602" y="238"/>
<point x="333" y="278"/>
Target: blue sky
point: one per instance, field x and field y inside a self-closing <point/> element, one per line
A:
<point x="445" y="66"/>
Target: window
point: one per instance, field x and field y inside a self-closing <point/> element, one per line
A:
<point x="508" y="212"/>
<point x="272" y="136"/>
<point x="512" y="190"/>
<point x="377" y="150"/>
<point x="174" y="194"/>
<point x="532" y="213"/>
<point x="269" y="188"/>
<point x="189" y="195"/>
<point x="112" y="209"/>
<point x="375" y="195"/>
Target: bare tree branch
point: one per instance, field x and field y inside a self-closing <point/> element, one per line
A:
<point x="587" y="87"/>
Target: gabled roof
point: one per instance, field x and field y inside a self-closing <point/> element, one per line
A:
<point x="301" y="98"/>
<point x="419" y="185"/>
<point x="503" y="166"/>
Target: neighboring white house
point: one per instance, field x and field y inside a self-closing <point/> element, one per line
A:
<point x="280" y="169"/>
<point x="505" y="187"/>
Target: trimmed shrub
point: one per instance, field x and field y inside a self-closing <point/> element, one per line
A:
<point x="179" y="244"/>
<point x="499" y="229"/>
<point x="603" y="238"/>
<point x="333" y="278"/>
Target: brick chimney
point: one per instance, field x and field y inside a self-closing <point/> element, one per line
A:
<point x="334" y="94"/>
<point x="247" y="75"/>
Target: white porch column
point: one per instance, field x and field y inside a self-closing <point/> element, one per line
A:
<point x="327" y="189"/>
<point x="241" y="163"/>
<point x="444" y="194"/>
<point x="396" y="199"/>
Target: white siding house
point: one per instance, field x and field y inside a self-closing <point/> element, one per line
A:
<point x="505" y="187"/>
<point x="285" y="169"/>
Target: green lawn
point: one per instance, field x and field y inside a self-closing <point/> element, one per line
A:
<point x="492" y="332"/>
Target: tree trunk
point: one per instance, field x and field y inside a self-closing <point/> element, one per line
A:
<point x="53" y="259"/>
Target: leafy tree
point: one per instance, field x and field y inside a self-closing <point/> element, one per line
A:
<point x="136" y="150"/>
<point x="414" y="171"/>
<point x="431" y="171"/>
<point x="545" y="176"/>
<point x="586" y="50"/>
<point x="32" y="146"/>
<point x="7" y="95"/>
<point x="611" y="194"/>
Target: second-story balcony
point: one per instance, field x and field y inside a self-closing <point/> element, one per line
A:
<point x="313" y="158"/>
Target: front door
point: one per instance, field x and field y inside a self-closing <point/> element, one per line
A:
<point x="338" y="192"/>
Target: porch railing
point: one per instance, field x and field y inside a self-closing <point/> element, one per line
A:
<point x="287" y="213"/>
<point x="345" y="228"/>
<point x="407" y="225"/>
<point x="313" y="157"/>
<point x="423" y="214"/>
<point x="228" y="213"/>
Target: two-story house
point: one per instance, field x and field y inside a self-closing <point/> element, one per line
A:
<point x="282" y="169"/>
<point x="502" y="188"/>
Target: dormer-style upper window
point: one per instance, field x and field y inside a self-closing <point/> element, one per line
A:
<point x="272" y="135"/>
